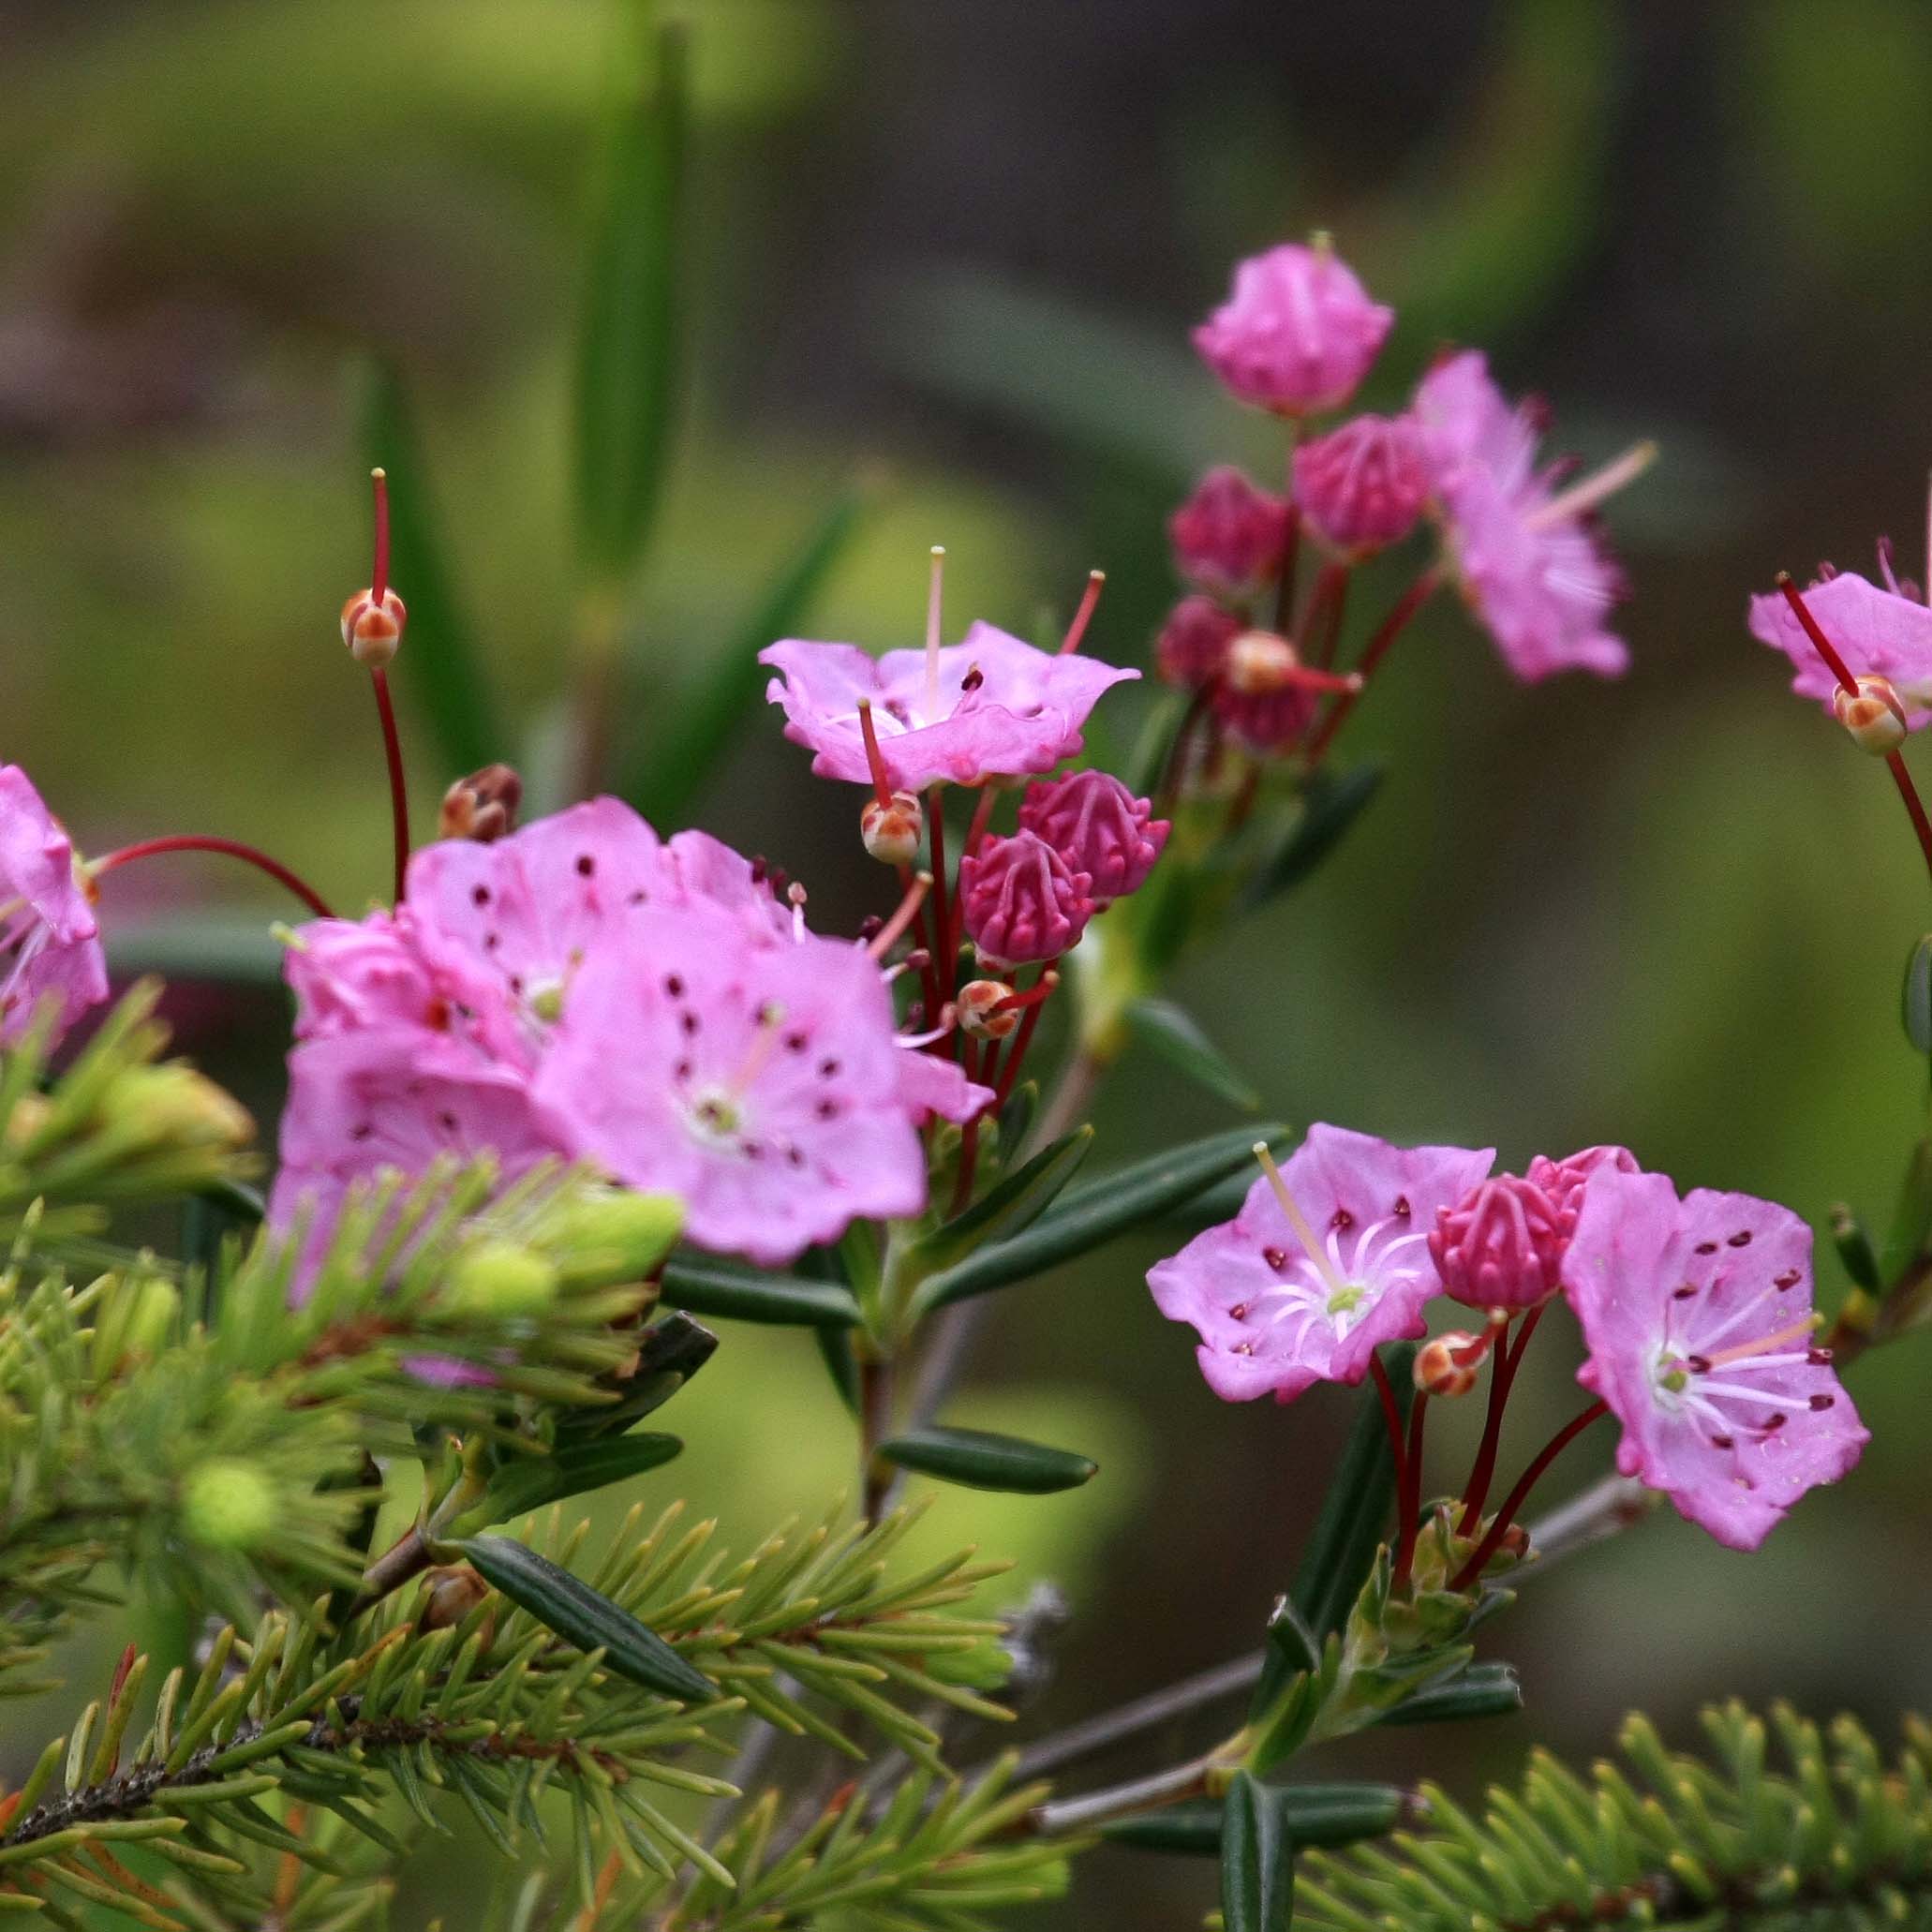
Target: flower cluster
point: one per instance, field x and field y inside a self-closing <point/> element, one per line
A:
<point x="1696" y="1310"/>
<point x="1296" y="336"/>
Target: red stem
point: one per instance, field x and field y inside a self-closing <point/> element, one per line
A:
<point x="1499" y="1529"/>
<point x="1391" y="1415"/>
<point x="1331" y="634"/>
<point x="946" y="956"/>
<point x="969" y="1136"/>
<point x="1502" y="1375"/>
<point x="1021" y="1041"/>
<point x="398" y="791"/>
<point x="1914" y="809"/>
<point x="229" y="848"/>
<point x="1410" y="1519"/>
<point x="988" y="793"/>
<point x="1412" y="599"/>
<point x="1291" y="550"/>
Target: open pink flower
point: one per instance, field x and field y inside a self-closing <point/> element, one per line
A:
<point x="1021" y="901"/>
<point x="931" y="1085"/>
<point x="1229" y="536"/>
<point x="1698" y="1316"/>
<point x="50" y="940"/>
<point x="760" y="1084"/>
<point x="1098" y="827"/>
<point x="1527" y="558"/>
<point x="1279" y="1305"/>
<point x="989" y="707"/>
<point x="1297" y="333"/>
<point x="1879" y="632"/>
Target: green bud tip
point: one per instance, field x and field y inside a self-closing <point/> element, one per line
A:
<point x="501" y="1281"/>
<point x="626" y="1234"/>
<point x="227" y="1504"/>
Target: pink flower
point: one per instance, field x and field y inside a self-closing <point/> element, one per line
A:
<point x="1282" y="1302"/>
<point x="761" y="1085"/>
<point x="1193" y="644"/>
<point x="1363" y="485"/>
<point x="50" y="940"/>
<point x="1502" y="1245"/>
<point x="931" y="1085"/>
<point x="1698" y="1316"/>
<point x="350" y="975"/>
<point x="1527" y="558"/>
<point x="392" y="1099"/>
<point x="1229" y="536"/>
<point x="1879" y="633"/>
<point x="1098" y="827"/>
<point x="1297" y="333"/>
<point x="1018" y="900"/>
<point x="989" y="707"/>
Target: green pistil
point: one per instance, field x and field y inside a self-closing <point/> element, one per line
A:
<point x="1347" y="1298"/>
<point x="1676" y="1381"/>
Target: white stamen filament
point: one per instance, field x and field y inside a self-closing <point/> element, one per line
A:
<point x="1328" y="1267"/>
<point x="935" y="595"/>
<point x="1593" y="489"/>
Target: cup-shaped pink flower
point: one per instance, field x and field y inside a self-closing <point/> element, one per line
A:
<point x="989" y="706"/>
<point x="1019" y="901"/>
<point x="1878" y="633"/>
<point x="1284" y="1300"/>
<point x="1229" y="536"/>
<point x="1698" y="1318"/>
<point x="1194" y="643"/>
<point x="1527" y="558"/>
<point x="349" y="975"/>
<point x="1098" y="827"/>
<point x="49" y="939"/>
<point x="761" y="1084"/>
<point x="1297" y="333"/>
<point x="1362" y="487"/>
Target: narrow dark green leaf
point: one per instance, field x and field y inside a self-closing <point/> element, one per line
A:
<point x="976" y="1459"/>
<point x="1347" y="1534"/>
<point x="1915" y="1005"/>
<point x="586" y="1618"/>
<point x="710" y="1287"/>
<point x="1095" y="1211"/>
<point x="242" y="1204"/>
<point x="1257" y="1860"/>
<point x="438" y="664"/>
<point x="1854" y="1246"/>
<point x="1911" y="1219"/>
<point x="1316" y="1814"/>
<point x="1177" y="1036"/>
<point x="1331" y="805"/>
<point x="533" y="1483"/>
<point x="1018" y="1200"/>
<point x="628" y="353"/>
<point x="1017" y="1118"/>
<point x="669" y="1353"/>
<point x="1483" y="1690"/>
<point x="675" y="759"/>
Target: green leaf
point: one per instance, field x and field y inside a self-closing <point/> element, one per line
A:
<point x="628" y="352"/>
<point x="1018" y="1200"/>
<point x="1854" y="1246"/>
<point x="977" y="1460"/>
<point x="1315" y="1814"/>
<point x="745" y="1294"/>
<point x="1347" y="1533"/>
<point x="1257" y="1860"/>
<point x="674" y="760"/>
<point x="1483" y="1690"/>
<point x="1915" y="1005"/>
<point x="1094" y="1212"/>
<point x="439" y="663"/>
<point x="835" y="1349"/>
<point x="1330" y="805"/>
<point x="532" y="1482"/>
<point x="1911" y="1219"/>
<point x="1177" y="1036"/>
<point x="669" y="1353"/>
<point x="586" y="1618"/>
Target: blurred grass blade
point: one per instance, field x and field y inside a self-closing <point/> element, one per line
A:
<point x="1313" y="1814"/>
<point x="746" y="1294"/>
<point x="1086" y="1216"/>
<point x="1177" y="1038"/>
<point x="1018" y="1200"/>
<point x="1483" y="1690"/>
<point x="1331" y="805"/>
<point x="586" y="1618"/>
<point x="438" y="663"/>
<point x="1257" y="1860"/>
<point x="676" y="759"/>
<point x="628" y="352"/>
<point x="977" y="1460"/>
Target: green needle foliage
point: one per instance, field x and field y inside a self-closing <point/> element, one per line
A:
<point x="1832" y="1839"/>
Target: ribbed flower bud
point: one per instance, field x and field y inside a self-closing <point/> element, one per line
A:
<point x="1229" y="536"/>
<point x="892" y="833"/>
<point x="1362" y="487"/>
<point x="1019" y="901"/>
<point x="1502" y="1245"/>
<point x="1874" y="717"/>
<point x="1259" y="697"/>
<point x="1098" y="827"/>
<point x="977" y="1002"/>
<point x="1193" y="644"/>
<point x="373" y="630"/>
<point x="483" y="806"/>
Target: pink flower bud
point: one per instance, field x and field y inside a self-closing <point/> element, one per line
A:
<point x="1449" y="1365"/>
<point x="1502" y="1245"/>
<point x="373" y="630"/>
<point x="1194" y="642"/>
<point x="482" y="807"/>
<point x="978" y="1009"/>
<point x="1019" y="901"/>
<point x="1874" y="717"/>
<point x="1564" y="1180"/>
<point x="1229" y="536"/>
<point x="1363" y="485"/>
<point x="1099" y="828"/>
<point x="892" y="832"/>
<point x="1262" y="697"/>
<point x="1297" y="333"/>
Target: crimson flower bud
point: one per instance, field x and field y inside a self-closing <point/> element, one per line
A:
<point x="1448" y="1366"/>
<point x="892" y="832"/>
<point x="978" y="1003"/>
<point x="373" y="630"/>
<point x="483" y="806"/>
<point x="1874" y="716"/>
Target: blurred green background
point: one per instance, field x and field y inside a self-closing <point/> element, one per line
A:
<point x="951" y="247"/>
